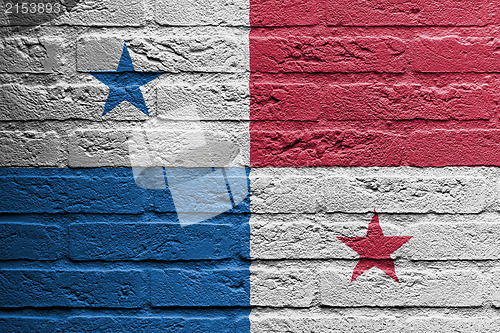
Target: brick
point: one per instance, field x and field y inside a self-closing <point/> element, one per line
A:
<point x="51" y="194"/>
<point x="200" y="288"/>
<point x="31" y="148"/>
<point x="455" y="147"/>
<point x="65" y="102"/>
<point x="29" y="324"/>
<point x="76" y="289"/>
<point x="151" y="241"/>
<point x="276" y="13"/>
<point x="452" y="324"/>
<point x="292" y="194"/>
<point x="446" y="288"/>
<point x="282" y="287"/>
<point x="105" y="13"/>
<point x="433" y="239"/>
<point x="122" y="324"/>
<point x="425" y="194"/>
<point x="309" y="323"/>
<point x="31" y="241"/>
<point x="170" y="144"/>
<point x="300" y="323"/>
<point x="388" y="190"/>
<point x="99" y="148"/>
<point x="495" y="292"/>
<point x="211" y="102"/>
<point x="203" y="193"/>
<point x="364" y="101"/>
<point x="173" y="54"/>
<point x="274" y="101"/>
<point x="454" y="241"/>
<point x="409" y="13"/>
<point x="196" y="12"/>
<point x="326" y="54"/>
<point x="368" y="101"/>
<point x="33" y="55"/>
<point x="324" y="147"/>
<point x="453" y="54"/>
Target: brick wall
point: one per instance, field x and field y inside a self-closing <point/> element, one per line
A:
<point x="83" y="248"/>
<point x="395" y="104"/>
<point x="338" y="106"/>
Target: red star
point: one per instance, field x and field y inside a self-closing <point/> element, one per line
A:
<point x="375" y="249"/>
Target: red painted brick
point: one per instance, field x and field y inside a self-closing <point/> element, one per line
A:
<point x="365" y="101"/>
<point x="453" y="54"/>
<point x="326" y="54"/>
<point x="459" y="147"/>
<point x="324" y="148"/>
<point x="276" y="13"/>
<point x="284" y="102"/>
<point x="407" y="102"/>
<point x="409" y="12"/>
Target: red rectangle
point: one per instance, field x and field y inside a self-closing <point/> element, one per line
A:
<point x="324" y="147"/>
<point x="280" y="13"/>
<point x="455" y="147"/>
<point x="409" y="13"/>
<point x="453" y="54"/>
<point x="326" y="54"/>
<point x="363" y="101"/>
<point x="374" y="83"/>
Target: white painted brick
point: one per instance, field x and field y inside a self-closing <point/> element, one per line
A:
<point x="356" y="191"/>
<point x="297" y="323"/>
<point x="435" y="237"/>
<point x="282" y="288"/>
<point x="176" y="53"/>
<point x="424" y="194"/>
<point x="202" y="12"/>
<point x="495" y="294"/>
<point x="98" y="148"/>
<point x="62" y="102"/>
<point x="33" y="55"/>
<point x="214" y="102"/>
<point x="313" y="323"/>
<point x="105" y="13"/>
<point x="30" y="149"/>
<point x="451" y="324"/>
<point x="294" y="194"/>
<point x="446" y="288"/>
<point x="101" y="147"/>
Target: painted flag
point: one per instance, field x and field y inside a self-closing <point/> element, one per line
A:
<point x="249" y="166"/>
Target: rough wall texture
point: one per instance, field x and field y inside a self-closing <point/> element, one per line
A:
<point x="386" y="83"/>
<point x="82" y="247"/>
<point x="362" y="83"/>
<point x="338" y="106"/>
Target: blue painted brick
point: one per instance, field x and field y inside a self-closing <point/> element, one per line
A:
<point x="41" y="194"/>
<point x="40" y="288"/>
<point x="31" y="241"/>
<point x="157" y="241"/>
<point x="152" y="325"/>
<point x="179" y="287"/>
<point x="29" y="324"/>
<point x="83" y="191"/>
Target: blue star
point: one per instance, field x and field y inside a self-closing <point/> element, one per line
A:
<point x="125" y="83"/>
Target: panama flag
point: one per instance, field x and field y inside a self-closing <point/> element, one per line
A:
<point x="243" y="166"/>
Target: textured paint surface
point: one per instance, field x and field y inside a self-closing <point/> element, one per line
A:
<point x="349" y="103"/>
<point x="374" y="83"/>
<point x="100" y="241"/>
<point x="374" y="104"/>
